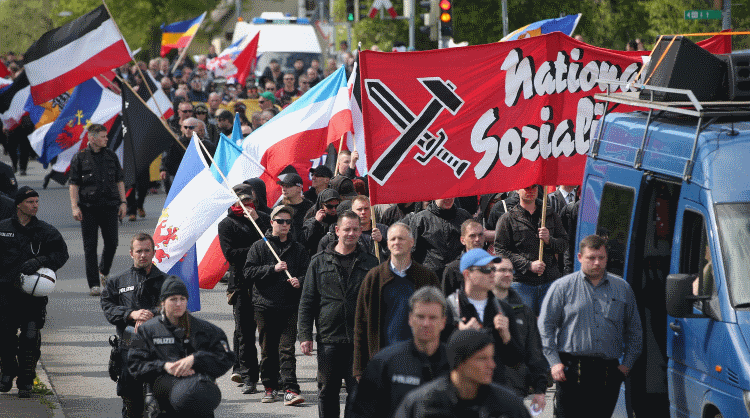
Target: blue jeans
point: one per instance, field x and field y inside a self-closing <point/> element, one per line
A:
<point x="531" y="295"/>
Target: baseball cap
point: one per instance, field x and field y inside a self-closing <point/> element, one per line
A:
<point x="477" y="258"/>
<point x="329" y="194"/>
<point x="321" y="171"/>
<point x="290" y="179"/>
<point x="282" y="208"/>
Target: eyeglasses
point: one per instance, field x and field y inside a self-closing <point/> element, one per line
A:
<point x="484" y="269"/>
<point x="331" y="206"/>
<point x="201" y="113"/>
<point x="261" y="101"/>
<point x="186" y="111"/>
<point x="304" y="82"/>
<point x="189" y="127"/>
<point x="283" y="221"/>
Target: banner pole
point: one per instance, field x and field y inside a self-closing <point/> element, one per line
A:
<point x="544" y="218"/>
<point x="338" y="155"/>
<point x="244" y="208"/>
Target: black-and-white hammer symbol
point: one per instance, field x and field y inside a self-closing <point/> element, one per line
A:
<point x="414" y="129"/>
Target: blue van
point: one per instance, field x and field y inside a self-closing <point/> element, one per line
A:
<point x="669" y="185"/>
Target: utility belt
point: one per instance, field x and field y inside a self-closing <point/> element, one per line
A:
<point x="119" y="345"/>
<point x="589" y="368"/>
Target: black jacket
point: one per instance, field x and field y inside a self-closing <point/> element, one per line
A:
<point x="329" y="296"/>
<point x="398" y="211"/>
<point x="517" y="238"/>
<point x="130" y="291"/>
<point x="505" y="354"/>
<point x="569" y="218"/>
<point x="439" y="399"/>
<point x="236" y="235"/>
<point x="156" y="344"/>
<point x="531" y="372"/>
<point x="7" y="207"/>
<point x="365" y="241"/>
<point x="271" y="289"/>
<point x="437" y="235"/>
<point x="313" y="230"/>
<point x="19" y="243"/>
<point x="96" y="174"/>
<point x="392" y="373"/>
<point x="453" y="278"/>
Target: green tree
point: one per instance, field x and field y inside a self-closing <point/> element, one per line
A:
<point x="23" y="22"/>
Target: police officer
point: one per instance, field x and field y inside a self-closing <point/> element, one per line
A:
<point x="97" y="199"/>
<point x="172" y="348"/>
<point x="128" y="300"/>
<point x="26" y="245"/>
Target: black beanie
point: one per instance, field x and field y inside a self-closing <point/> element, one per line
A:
<point x="173" y="285"/>
<point x="24" y="193"/>
<point x="464" y="344"/>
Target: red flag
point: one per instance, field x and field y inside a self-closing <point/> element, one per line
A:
<point x="517" y="113"/>
<point x="4" y="71"/>
<point x="245" y="61"/>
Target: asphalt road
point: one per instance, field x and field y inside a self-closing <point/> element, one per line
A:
<point x="75" y="351"/>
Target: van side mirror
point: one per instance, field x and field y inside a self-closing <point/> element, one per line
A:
<point x="680" y="296"/>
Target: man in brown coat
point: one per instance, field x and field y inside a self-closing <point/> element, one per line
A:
<point x="382" y="312"/>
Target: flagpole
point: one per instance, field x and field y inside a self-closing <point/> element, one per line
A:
<point x="244" y="209"/>
<point x="544" y="217"/>
<point x="338" y="155"/>
<point x="163" y="122"/>
<point x="161" y="114"/>
<point x="372" y="211"/>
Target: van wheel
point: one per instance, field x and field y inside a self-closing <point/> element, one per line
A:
<point x="719" y="415"/>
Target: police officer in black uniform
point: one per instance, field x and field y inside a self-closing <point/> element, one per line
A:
<point x="26" y="245"/>
<point x="128" y="300"/>
<point x="97" y="199"/>
<point x="174" y="346"/>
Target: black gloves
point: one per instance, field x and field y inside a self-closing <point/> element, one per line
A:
<point x="31" y="266"/>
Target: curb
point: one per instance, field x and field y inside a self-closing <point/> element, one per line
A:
<point x="54" y="399"/>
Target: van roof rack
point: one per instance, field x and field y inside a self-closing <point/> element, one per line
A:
<point x="692" y="107"/>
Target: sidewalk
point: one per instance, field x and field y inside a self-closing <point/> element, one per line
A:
<point x="40" y="405"/>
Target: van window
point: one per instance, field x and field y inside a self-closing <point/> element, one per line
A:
<point x="695" y="258"/>
<point x="733" y="220"/>
<point x="614" y="223"/>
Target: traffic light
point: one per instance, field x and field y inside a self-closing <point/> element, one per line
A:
<point x="350" y="10"/>
<point x="446" y="17"/>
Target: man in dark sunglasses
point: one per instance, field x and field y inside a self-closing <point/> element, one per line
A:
<point x="276" y="301"/>
<point x="320" y="219"/>
<point x="474" y="306"/>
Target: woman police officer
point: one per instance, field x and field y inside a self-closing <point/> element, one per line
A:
<point x="180" y="356"/>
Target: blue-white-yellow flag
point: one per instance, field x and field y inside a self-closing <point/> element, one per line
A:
<point x="566" y="25"/>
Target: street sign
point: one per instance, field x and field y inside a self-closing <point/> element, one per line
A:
<point x="702" y="14"/>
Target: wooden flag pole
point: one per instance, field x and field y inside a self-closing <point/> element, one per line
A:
<point x="338" y="155"/>
<point x="247" y="213"/>
<point x="163" y="122"/>
<point x="544" y="217"/>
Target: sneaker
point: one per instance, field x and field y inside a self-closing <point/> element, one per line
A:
<point x="270" y="396"/>
<point x="132" y="218"/>
<point x="103" y="279"/>
<point x="96" y="291"/>
<point x="236" y="378"/>
<point x="250" y="387"/>
<point x="24" y="391"/>
<point x="141" y="213"/>
<point x="292" y="398"/>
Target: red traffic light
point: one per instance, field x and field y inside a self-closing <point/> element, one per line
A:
<point x="445" y="5"/>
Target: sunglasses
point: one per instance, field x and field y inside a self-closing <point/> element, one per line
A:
<point x="283" y="221"/>
<point x="201" y="113"/>
<point x="484" y="269"/>
<point x="330" y="206"/>
<point x="261" y="101"/>
<point x="189" y="127"/>
<point x="186" y="111"/>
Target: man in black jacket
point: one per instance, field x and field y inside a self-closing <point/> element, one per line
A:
<point x="474" y="306"/>
<point x="329" y="300"/>
<point x="468" y="391"/>
<point x="401" y="367"/>
<point x="517" y="237"/>
<point x="472" y="236"/>
<point x="26" y="245"/>
<point x="128" y="300"/>
<point x="236" y="235"/>
<point x="323" y="217"/>
<point x="276" y="294"/>
<point x="437" y="232"/>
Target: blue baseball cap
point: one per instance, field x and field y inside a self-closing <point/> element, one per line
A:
<point x="477" y="258"/>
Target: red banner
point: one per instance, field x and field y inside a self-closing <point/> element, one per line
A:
<point x="484" y="119"/>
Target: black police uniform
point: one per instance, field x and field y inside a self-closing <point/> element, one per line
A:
<point x="130" y="291"/>
<point x="19" y="244"/>
<point x="96" y="174"/>
<point x="159" y="342"/>
<point x="392" y="373"/>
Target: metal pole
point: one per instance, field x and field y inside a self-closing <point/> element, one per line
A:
<point x="505" y="18"/>
<point x="412" y="13"/>
<point x="237" y="9"/>
<point x="726" y="15"/>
